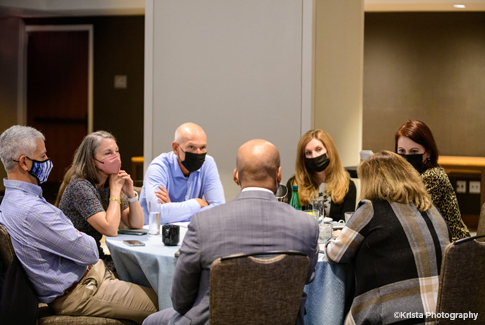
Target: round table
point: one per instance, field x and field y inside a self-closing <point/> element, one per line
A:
<point x="152" y="265"/>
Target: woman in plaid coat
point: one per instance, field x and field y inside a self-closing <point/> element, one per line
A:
<point x="395" y="240"/>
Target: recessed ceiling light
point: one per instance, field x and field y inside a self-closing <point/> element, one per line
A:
<point x="459" y="6"/>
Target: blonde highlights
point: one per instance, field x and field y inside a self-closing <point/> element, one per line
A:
<point x="388" y="176"/>
<point x="337" y="178"/>
<point x="83" y="165"/>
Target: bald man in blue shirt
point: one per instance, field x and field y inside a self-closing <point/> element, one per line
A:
<point x="183" y="181"/>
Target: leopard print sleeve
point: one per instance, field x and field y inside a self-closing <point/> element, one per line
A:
<point x="439" y="187"/>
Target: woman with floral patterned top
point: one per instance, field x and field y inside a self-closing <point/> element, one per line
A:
<point x="415" y="142"/>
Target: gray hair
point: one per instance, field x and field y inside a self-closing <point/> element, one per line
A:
<point x="17" y="141"/>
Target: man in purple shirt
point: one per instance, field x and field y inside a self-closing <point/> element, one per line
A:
<point x="185" y="180"/>
<point x="61" y="262"/>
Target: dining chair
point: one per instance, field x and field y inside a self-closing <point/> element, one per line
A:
<point x="262" y="288"/>
<point x="481" y="223"/>
<point x="45" y="314"/>
<point x="462" y="280"/>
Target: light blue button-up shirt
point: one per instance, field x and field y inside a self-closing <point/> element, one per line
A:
<point x="53" y="253"/>
<point x="165" y="171"/>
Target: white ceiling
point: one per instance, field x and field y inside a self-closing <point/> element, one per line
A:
<point x="29" y="8"/>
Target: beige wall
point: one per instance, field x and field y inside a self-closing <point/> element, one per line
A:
<point x="430" y="67"/>
<point x="234" y="67"/>
<point x="11" y="29"/>
<point x="339" y="47"/>
<point x="338" y="74"/>
<point x="238" y="68"/>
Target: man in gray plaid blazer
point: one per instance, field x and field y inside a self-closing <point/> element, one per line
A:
<point x="253" y="222"/>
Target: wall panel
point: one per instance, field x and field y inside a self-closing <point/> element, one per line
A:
<point x="233" y="67"/>
<point x="430" y="67"/>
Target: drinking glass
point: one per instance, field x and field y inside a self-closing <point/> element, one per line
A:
<point x="281" y="193"/>
<point x="153" y="218"/>
<point x="348" y="215"/>
<point x="326" y="231"/>
<point x="317" y="204"/>
<point x="316" y="213"/>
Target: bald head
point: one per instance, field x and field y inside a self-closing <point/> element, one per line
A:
<point x="189" y="137"/>
<point x="258" y="164"/>
<point x="188" y="131"/>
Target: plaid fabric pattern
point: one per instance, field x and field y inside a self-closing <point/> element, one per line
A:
<point x="397" y="252"/>
<point x="53" y="253"/>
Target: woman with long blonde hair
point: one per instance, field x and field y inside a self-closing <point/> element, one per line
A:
<point x="95" y="194"/>
<point x="395" y="240"/>
<point x="318" y="172"/>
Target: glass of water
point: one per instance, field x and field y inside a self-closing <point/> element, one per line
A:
<point x="153" y="218"/>
<point x="348" y="215"/>
<point x="317" y="204"/>
<point x="326" y="230"/>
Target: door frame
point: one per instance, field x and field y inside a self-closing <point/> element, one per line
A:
<point x="22" y="104"/>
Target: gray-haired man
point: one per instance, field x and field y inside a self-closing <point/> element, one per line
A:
<point x="61" y="262"/>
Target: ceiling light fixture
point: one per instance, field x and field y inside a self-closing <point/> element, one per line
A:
<point x="459" y="6"/>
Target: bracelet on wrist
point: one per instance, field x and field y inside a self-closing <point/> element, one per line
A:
<point x="133" y="199"/>
<point x="115" y="199"/>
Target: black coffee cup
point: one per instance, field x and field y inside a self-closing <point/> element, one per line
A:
<point x="170" y="235"/>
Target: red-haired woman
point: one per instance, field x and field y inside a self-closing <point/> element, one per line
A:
<point x="415" y="142"/>
<point x="318" y="172"/>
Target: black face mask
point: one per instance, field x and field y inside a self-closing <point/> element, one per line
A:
<point x="193" y="161"/>
<point x="317" y="164"/>
<point x="415" y="160"/>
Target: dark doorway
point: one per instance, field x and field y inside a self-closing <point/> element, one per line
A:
<point x="58" y="94"/>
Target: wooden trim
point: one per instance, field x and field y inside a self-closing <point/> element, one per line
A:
<point x="44" y="28"/>
<point x="461" y="161"/>
<point x="460" y="164"/>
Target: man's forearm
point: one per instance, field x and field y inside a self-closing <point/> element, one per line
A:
<point x="178" y="211"/>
